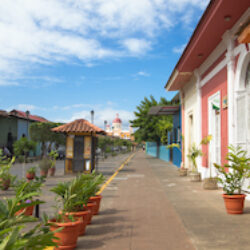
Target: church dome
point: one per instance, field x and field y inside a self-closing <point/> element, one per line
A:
<point x="117" y="119"/>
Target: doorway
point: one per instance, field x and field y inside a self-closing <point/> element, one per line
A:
<point x="78" y="161"/>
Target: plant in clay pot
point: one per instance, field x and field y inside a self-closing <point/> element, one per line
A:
<point x="194" y="153"/>
<point x="53" y="156"/>
<point x="12" y="236"/>
<point x="44" y="166"/>
<point x="233" y="174"/>
<point x="65" y="228"/>
<point x="32" y="189"/>
<point x="74" y="196"/>
<point x="31" y="173"/>
<point x="6" y="179"/>
<point x="94" y="191"/>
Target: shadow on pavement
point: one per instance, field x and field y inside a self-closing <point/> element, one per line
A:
<point x="111" y="211"/>
<point x="90" y="244"/>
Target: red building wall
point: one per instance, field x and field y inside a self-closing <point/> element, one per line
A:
<point x="217" y="83"/>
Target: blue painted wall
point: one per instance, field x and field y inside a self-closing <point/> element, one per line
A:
<point x="164" y="153"/>
<point x="174" y="136"/>
<point x="151" y="148"/>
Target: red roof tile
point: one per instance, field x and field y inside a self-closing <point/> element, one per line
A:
<point x="79" y="126"/>
<point x="21" y="114"/>
<point x="3" y="113"/>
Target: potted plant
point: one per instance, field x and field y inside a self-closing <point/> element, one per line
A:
<point x="27" y="190"/>
<point x="74" y="196"/>
<point x="95" y="196"/>
<point x="44" y="166"/>
<point x="233" y="174"/>
<point x="53" y="156"/>
<point x="12" y="235"/>
<point x="5" y="177"/>
<point x="194" y="152"/>
<point x="31" y="173"/>
<point x="65" y="228"/>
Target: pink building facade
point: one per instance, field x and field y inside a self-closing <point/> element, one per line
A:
<point x="213" y="77"/>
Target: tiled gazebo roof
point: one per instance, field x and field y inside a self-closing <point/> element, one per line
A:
<point x="79" y="126"/>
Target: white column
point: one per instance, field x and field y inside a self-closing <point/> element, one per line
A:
<point x="229" y="42"/>
<point x="199" y="118"/>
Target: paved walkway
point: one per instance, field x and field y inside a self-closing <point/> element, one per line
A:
<point x="148" y="206"/>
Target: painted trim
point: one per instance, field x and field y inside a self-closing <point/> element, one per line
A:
<point x="214" y="71"/>
<point x="212" y="146"/>
<point x="220" y="49"/>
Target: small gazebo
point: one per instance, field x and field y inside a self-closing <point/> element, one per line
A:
<point x="81" y="144"/>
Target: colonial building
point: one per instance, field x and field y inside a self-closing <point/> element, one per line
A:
<point x="116" y="129"/>
<point x="213" y="77"/>
<point x="14" y="125"/>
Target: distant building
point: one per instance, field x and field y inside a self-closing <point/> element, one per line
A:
<point x="14" y="125"/>
<point x="116" y="129"/>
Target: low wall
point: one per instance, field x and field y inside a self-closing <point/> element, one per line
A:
<point x="151" y="149"/>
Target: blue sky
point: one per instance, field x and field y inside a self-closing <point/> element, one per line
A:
<point x="61" y="59"/>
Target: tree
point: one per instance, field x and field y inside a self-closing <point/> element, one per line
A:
<point x="23" y="146"/>
<point x="150" y="127"/>
<point x="41" y="132"/>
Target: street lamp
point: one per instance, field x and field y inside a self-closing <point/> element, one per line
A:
<point x="92" y="112"/>
<point x="27" y="116"/>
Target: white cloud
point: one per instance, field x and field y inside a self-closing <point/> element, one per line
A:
<point x="50" y="31"/>
<point x="142" y="73"/>
<point x="179" y="50"/>
<point x="24" y="107"/>
<point x="136" y="46"/>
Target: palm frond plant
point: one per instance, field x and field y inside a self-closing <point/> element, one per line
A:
<point x="28" y="190"/>
<point x="6" y="179"/>
<point x="31" y="173"/>
<point x="232" y="177"/>
<point x="194" y="152"/>
<point x="53" y="156"/>
<point x="12" y="237"/>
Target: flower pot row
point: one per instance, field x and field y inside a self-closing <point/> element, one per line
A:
<point x="68" y="235"/>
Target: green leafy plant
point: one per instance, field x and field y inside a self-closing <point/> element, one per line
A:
<point x="75" y="194"/>
<point x="53" y="156"/>
<point x="23" y="188"/>
<point x="195" y="151"/>
<point x="23" y="146"/>
<point x="12" y="238"/>
<point x="235" y="171"/>
<point x="45" y="164"/>
<point x="31" y="170"/>
<point x="5" y="165"/>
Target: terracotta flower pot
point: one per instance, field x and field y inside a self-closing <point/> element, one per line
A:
<point x="52" y="171"/>
<point x="5" y="184"/>
<point x="67" y="237"/>
<point x="28" y="211"/>
<point x="44" y="173"/>
<point x="30" y="176"/>
<point x="234" y="203"/>
<point x="97" y="200"/>
<point x="83" y="216"/>
<point x="90" y="207"/>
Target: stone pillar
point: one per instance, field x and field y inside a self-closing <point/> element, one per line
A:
<point x="229" y="42"/>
